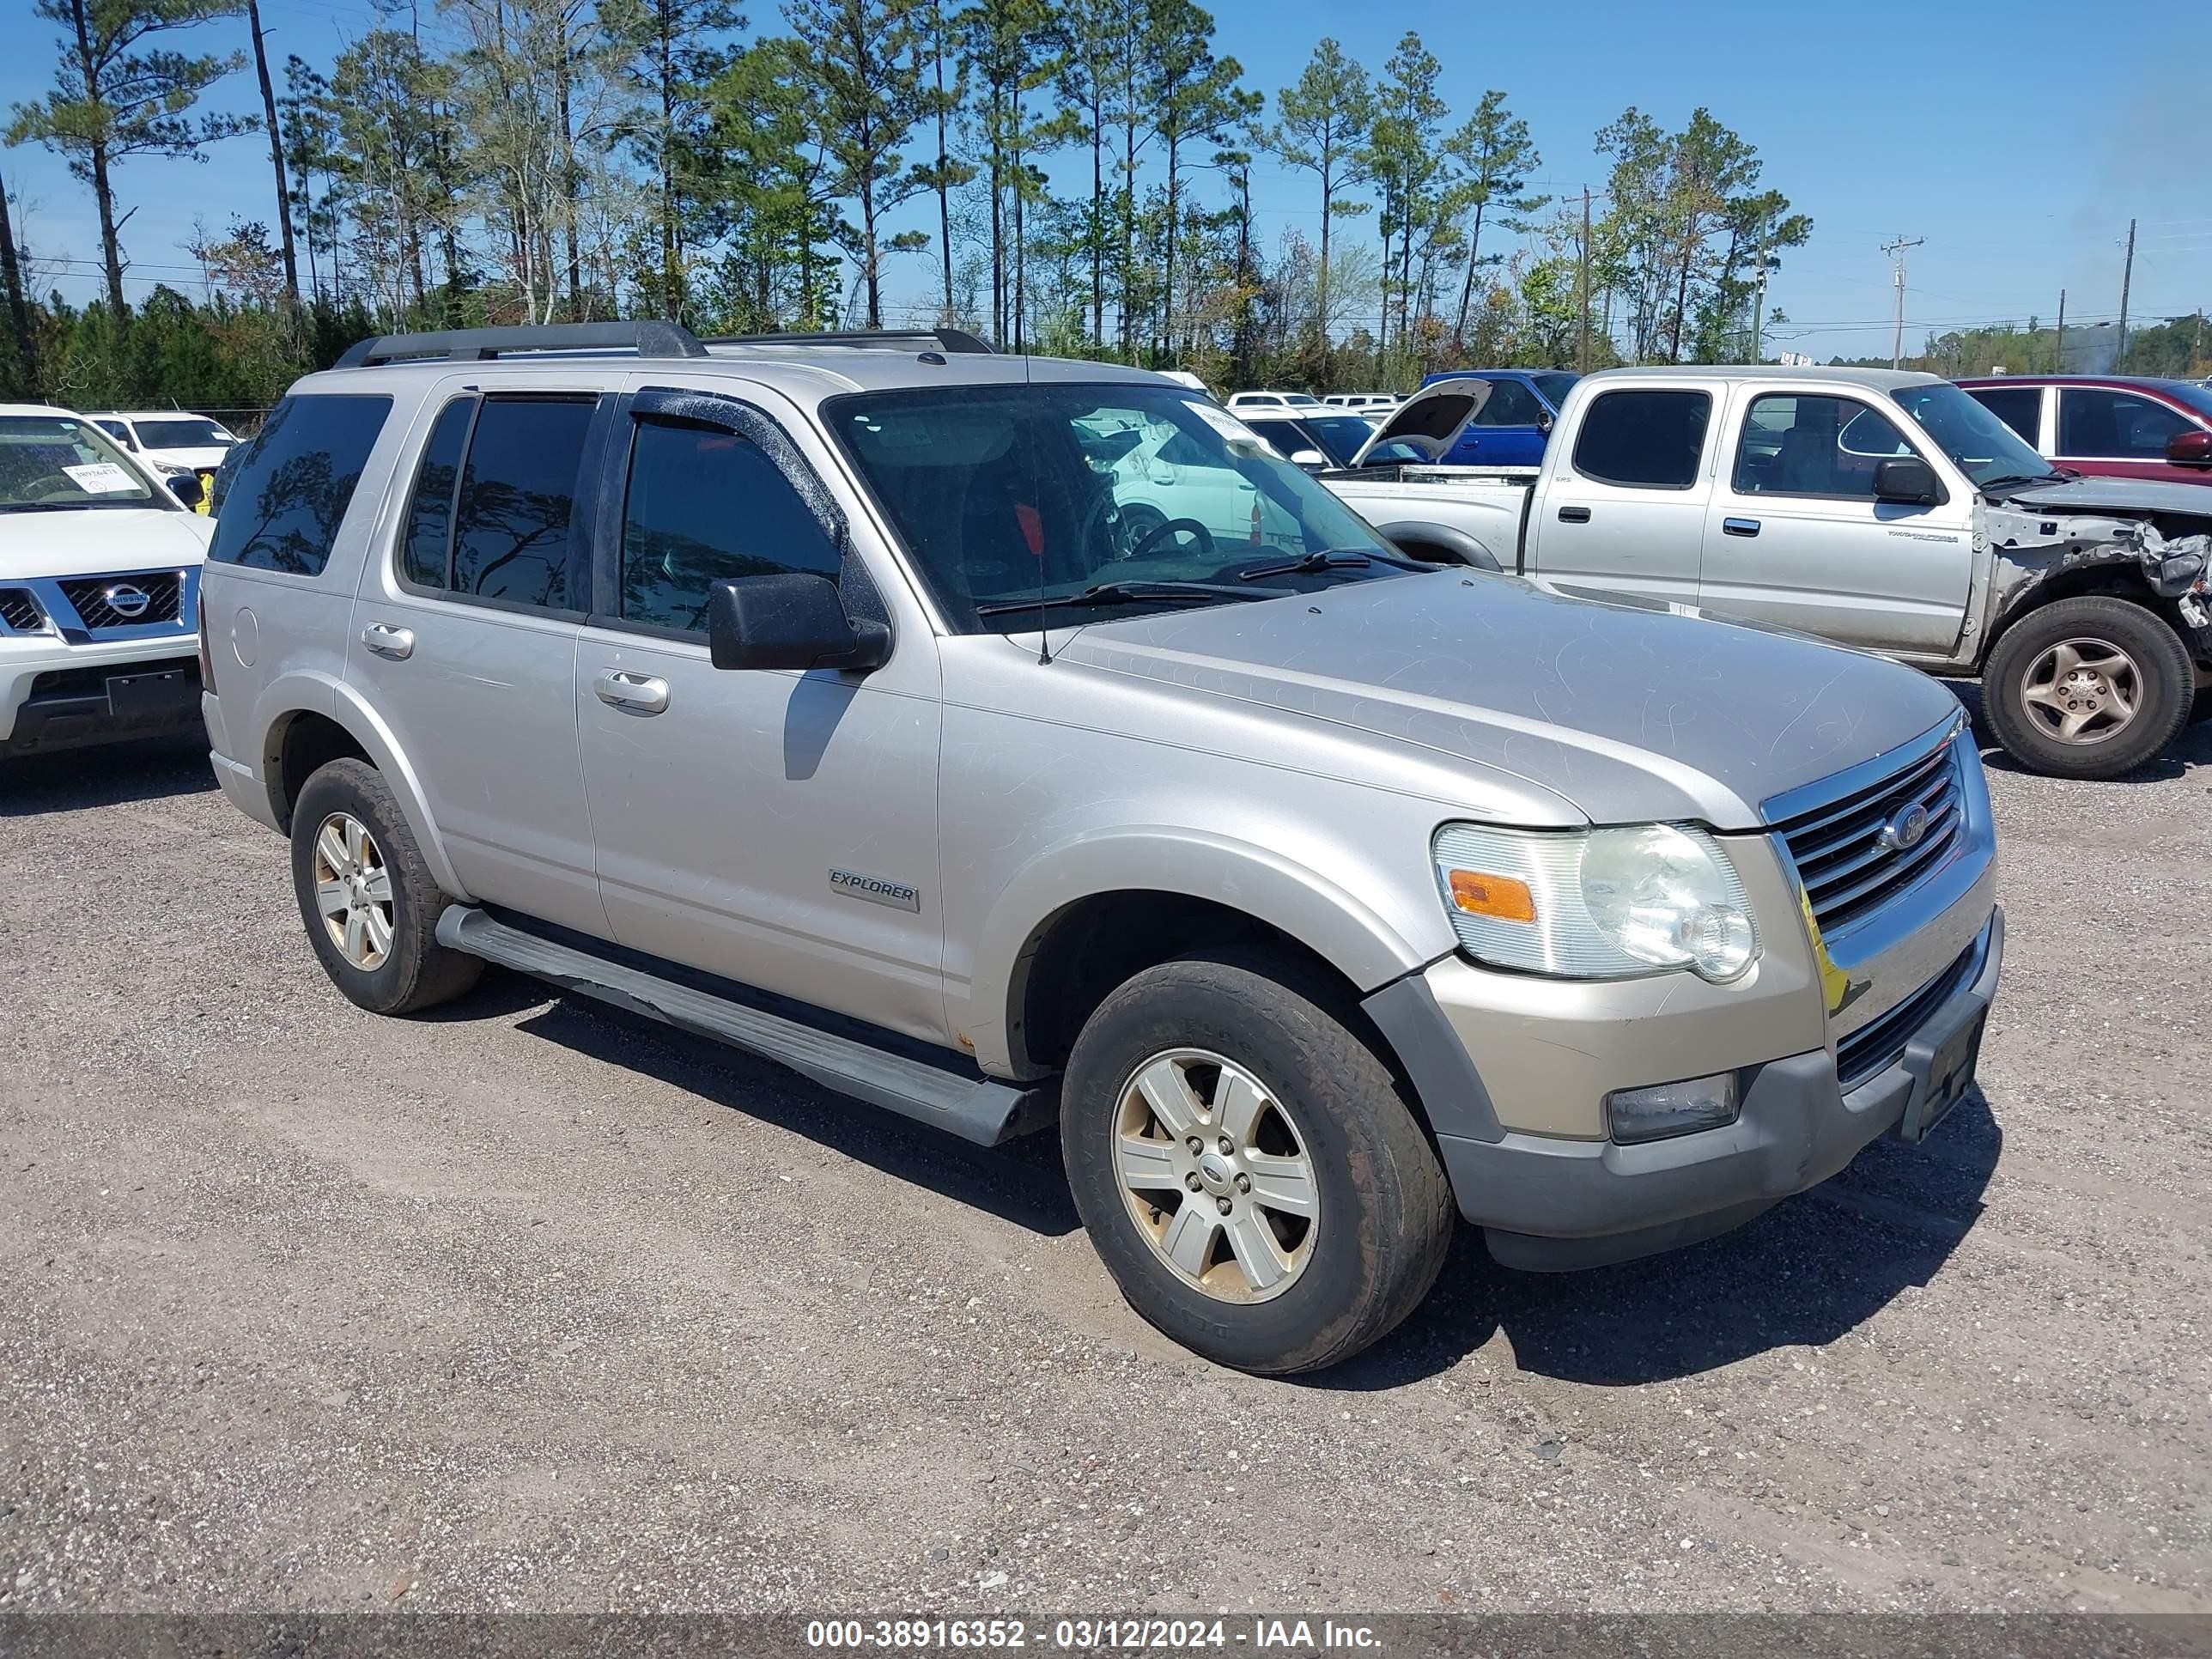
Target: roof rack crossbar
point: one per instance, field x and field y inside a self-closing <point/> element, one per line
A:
<point x="647" y="340"/>
<point x="954" y="340"/>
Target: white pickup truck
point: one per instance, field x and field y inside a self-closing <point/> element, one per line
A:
<point x="1882" y="510"/>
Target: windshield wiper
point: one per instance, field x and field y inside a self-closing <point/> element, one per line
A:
<point x="1120" y="593"/>
<point x="1310" y="564"/>
<point x="2005" y="480"/>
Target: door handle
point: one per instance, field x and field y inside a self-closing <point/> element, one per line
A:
<point x="1574" y="515"/>
<point x="640" y="694"/>
<point x="1739" y="526"/>
<point x="396" y="643"/>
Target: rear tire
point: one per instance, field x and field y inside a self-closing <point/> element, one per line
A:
<point x="2088" y="687"/>
<point x="367" y="895"/>
<point x="1327" y="1159"/>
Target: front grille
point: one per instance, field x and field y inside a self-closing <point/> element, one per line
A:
<point x="19" y="611"/>
<point x="1876" y="1046"/>
<point x="1849" y="868"/>
<point x="164" y="593"/>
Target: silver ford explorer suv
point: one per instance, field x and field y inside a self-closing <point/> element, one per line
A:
<point x="849" y="699"/>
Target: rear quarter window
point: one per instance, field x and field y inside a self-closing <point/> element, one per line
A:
<point x="282" y="504"/>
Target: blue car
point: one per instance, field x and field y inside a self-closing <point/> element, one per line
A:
<point x="1511" y="430"/>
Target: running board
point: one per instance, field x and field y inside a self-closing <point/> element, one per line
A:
<point x="976" y="1109"/>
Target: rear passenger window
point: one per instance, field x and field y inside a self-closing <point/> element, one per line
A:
<point x="704" y="504"/>
<point x="1644" y="440"/>
<point x="288" y="494"/>
<point x="425" y="546"/>
<point x="2019" y="407"/>
<point x="512" y="531"/>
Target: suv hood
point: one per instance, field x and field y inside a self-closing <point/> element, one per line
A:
<point x="1627" y="715"/>
<point x="94" y="540"/>
<point x="2118" y="495"/>
<point x="1431" y="419"/>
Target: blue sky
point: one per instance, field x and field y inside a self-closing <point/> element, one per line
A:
<point x="1949" y="121"/>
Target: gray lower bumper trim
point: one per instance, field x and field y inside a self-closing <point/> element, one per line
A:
<point x="1551" y="1204"/>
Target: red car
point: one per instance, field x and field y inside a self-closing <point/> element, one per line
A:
<point x="2106" y="425"/>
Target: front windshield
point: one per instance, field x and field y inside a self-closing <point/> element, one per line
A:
<point x="1012" y="492"/>
<point x="2198" y="398"/>
<point x="50" y="462"/>
<point x="1985" y="449"/>
<point x="190" y="434"/>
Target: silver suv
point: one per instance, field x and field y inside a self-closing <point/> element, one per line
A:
<point x="858" y="700"/>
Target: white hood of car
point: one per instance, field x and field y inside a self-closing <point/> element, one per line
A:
<point x="94" y="540"/>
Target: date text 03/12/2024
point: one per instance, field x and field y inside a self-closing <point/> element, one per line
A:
<point x="1091" y="1635"/>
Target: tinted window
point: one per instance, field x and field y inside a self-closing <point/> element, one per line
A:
<point x="2114" y="425"/>
<point x="1645" y="439"/>
<point x="426" y="544"/>
<point x="283" y="505"/>
<point x="704" y="504"/>
<point x="512" y="540"/>
<point x="1337" y="436"/>
<point x="1511" y="403"/>
<point x="2019" y="407"/>
<point x="1794" y="445"/>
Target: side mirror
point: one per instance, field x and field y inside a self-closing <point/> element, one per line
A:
<point x="2190" y="449"/>
<point x="1312" y="459"/>
<point x="186" y="487"/>
<point x="1544" y="420"/>
<point x="1908" y="479"/>
<point x="791" y="621"/>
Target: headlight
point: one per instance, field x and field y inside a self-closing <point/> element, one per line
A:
<point x="1597" y="903"/>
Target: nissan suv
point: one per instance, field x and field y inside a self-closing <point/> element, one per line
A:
<point x="824" y="695"/>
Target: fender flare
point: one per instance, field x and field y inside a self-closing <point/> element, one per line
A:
<point x="313" y="693"/>
<point x="1467" y="549"/>
<point x="1321" y="914"/>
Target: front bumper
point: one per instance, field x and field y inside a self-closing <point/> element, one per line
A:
<point x="55" y="696"/>
<point x="1550" y="1204"/>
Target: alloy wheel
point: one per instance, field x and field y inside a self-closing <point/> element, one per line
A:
<point x="2082" y="691"/>
<point x="1217" y="1175"/>
<point x="353" y="891"/>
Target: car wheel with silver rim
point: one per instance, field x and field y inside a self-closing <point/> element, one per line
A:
<point x="370" y="901"/>
<point x="2091" y="687"/>
<point x="1246" y="1165"/>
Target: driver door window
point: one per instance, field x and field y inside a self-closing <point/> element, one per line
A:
<point x="2099" y="425"/>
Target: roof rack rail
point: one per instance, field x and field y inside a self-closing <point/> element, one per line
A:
<point x="959" y="341"/>
<point x="647" y="340"/>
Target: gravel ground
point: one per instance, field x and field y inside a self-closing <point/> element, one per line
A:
<point x="532" y="1305"/>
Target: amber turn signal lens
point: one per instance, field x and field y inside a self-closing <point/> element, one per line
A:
<point x="1500" y="897"/>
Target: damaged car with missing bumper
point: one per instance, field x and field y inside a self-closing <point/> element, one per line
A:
<point x="846" y="700"/>
<point x="1884" y="510"/>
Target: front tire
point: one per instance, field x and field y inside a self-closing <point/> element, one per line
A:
<point x="2088" y="688"/>
<point x="367" y="895"/>
<point x="1246" y="1166"/>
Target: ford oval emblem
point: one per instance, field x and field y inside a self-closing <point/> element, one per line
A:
<point x="127" y="600"/>
<point x="1904" y="828"/>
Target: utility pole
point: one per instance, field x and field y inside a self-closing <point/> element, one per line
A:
<point x="1582" y="358"/>
<point x="2127" y="278"/>
<point x="1895" y="249"/>
<point x="2061" y="368"/>
<point x="1766" y="262"/>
